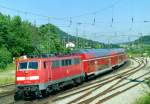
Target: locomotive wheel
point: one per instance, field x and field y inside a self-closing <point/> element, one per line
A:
<point x="18" y="96"/>
<point x="33" y="95"/>
<point x="78" y="80"/>
<point x="86" y="77"/>
<point x="44" y="93"/>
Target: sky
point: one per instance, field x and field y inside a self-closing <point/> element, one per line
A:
<point x="112" y="21"/>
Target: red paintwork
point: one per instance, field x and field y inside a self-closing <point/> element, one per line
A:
<point x="90" y="66"/>
<point x="47" y="74"/>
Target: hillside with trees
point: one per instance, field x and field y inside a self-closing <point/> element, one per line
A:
<point x="138" y="46"/>
<point x="18" y="37"/>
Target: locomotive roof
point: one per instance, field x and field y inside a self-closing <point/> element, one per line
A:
<point x="102" y="52"/>
<point x="46" y="56"/>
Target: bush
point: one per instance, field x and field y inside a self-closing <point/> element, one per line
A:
<point x="5" y="57"/>
<point x="144" y="100"/>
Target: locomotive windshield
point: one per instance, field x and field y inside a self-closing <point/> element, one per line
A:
<point x="23" y="65"/>
<point x="28" y="65"/>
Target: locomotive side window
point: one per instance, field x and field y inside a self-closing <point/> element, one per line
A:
<point x="23" y="65"/>
<point x="69" y="61"/>
<point x="33" y="65"/>
<point x="76" y="61"/>
<point x="55" y="63"/>
<point x="63" y="62"/>
<point x="66" y="62"/>
<point x="44" y="65"/>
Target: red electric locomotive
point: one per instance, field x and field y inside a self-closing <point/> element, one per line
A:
<point x="39" y="76"/>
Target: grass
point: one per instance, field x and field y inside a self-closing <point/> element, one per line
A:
<point x="134" y="54"/>
<point x="144" y="99"/>
<point x="7" y="75"/>
<point x="7" y="80"/>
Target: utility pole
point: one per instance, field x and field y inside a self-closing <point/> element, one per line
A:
<point x="77" y="32"/>
<point x="76" y="37"/>
<point x="109" y="37"/>
<point x="129" y="46"/>
<point x="141" y="42"/>
<point x="84" y="42"/>
<point x="68" y="38"/>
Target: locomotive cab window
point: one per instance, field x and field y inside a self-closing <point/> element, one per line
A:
<point x="28" y="65"/>
<point x="23" y="65"/>
<point x="33" y="65"/>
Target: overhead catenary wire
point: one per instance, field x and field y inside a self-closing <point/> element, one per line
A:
<point x="70" y="19"/>
<point x="58" y="18"/>
<point x="98" y="11"/>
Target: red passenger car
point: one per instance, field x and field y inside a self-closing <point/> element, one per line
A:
<point x="97" y="61"/>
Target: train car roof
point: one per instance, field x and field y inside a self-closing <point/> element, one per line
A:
<point x="102" y="52"/>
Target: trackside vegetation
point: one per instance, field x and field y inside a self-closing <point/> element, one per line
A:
<point x="139" y="46"/>
<point x="20" y="37"/>
<point x="145" y="99"/>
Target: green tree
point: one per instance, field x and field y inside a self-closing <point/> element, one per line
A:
<point x="5" y="57"/>
<point x="49" y="34"/>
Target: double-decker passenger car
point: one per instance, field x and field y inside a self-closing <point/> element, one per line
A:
<point x="38" y="76"/>
<point x="96" y="61"/>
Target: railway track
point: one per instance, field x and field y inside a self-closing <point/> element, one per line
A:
<point x="99" y="83"/>
<point x="6" y="85"/>
<point x="110" y="89"/>
<point x="10" y="91"/>
<point x="90" y="87"/>
<point x="120" y="76"/>
<point x="6" y="93"/>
